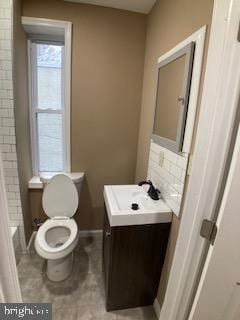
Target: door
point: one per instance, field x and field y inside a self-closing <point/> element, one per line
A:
<point x="218" y="294"/>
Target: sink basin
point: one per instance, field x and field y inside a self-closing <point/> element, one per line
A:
<point x="119" y="200"/>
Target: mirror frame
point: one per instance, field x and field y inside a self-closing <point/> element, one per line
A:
<point x="176" y="146"/>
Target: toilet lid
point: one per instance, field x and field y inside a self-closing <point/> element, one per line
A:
<point x="60" y="197"/>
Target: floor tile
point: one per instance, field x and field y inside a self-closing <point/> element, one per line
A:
<point x="81" y="296"/>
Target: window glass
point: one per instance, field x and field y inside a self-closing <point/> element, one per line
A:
<point x="49" y="76"/>
<point x="50" y="142"/>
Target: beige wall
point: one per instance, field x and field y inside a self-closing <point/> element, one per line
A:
<point x="22" y="112"/>
<point x="107" y="73"/>
<point x="169" y="22"/>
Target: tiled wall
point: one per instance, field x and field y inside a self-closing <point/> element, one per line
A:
<point x="167" y="170"/>
<point x="7" y="123"/>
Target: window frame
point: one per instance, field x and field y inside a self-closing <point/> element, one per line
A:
<point x="34" y="110"/>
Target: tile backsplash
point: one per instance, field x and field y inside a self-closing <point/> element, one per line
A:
<point x="167" y="170"/>
<point x="7" y="122"/>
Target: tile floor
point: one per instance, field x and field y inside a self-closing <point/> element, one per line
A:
<point x="81" y="296"/>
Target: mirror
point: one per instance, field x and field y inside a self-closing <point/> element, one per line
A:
<point x="172" y="96"/>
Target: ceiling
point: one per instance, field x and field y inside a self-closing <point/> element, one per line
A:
<point x="143" y="6"/>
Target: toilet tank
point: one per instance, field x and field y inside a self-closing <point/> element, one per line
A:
<point x="76" y="177"/>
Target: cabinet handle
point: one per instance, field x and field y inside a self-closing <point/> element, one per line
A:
<point x="108" y="233"/>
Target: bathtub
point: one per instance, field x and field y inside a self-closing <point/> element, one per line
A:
<point x="16" y="243"/>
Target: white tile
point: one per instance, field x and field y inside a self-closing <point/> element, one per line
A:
<point x="5" y="4"/>
<point x="7" y="84"/>
<point x="15" y="166"/>
<point x="9" y="140"/>
<point x="182" y="162"/>
<point x="2" y="34"/>
<point x="15" y="216"/>
<point x="178" y="185"/>
<point x="6" y="65"/>
<point x="8" y="34"/>
<point x="167" y="165"/>
<point x="4" y="131"/>
<point x="7" y="103"/>
<point x="5" y="54"/>
<point x="9" y="75"/>
<point x="11" y="195"/>
<point x="7" y="164"/>
<point x="3" y="94"/>
<point x="16" y="181"/>
<point x="5" y="148"/>
<point x="169" y="177"/>
<point x="8" y="122"/>
<point x="12" y="156"/>
<point x="11" y="173"/>
<point x="14" y="202"/>
<point x="155" y="147"/>
<point x="9" y="180"/>
<point x="12" y="131"/>
<point x="10" y="94"/>
<point x="4" y="113"/>
<point x="7" y="13"/>
<point x="171" y="156"/>
<point x="5" y="44"/>
<point x="14" y="188"/>
<point x="154" y="156"/>
<point x="13" y="223"/>
<point x="12" y="209"/>
<point x="176" y="171"/>
<point x="3" y="74"/>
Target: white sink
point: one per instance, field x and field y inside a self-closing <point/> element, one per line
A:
<point x="119" y="200"/>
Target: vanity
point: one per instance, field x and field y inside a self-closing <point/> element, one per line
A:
<point x="134" y="246"/>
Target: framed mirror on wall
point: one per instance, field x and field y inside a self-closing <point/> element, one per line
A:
<point x="172" y="96"/>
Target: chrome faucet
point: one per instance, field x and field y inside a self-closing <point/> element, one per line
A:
<point x="153" y="192"/>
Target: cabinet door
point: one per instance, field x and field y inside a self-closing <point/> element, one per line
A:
<point x="106" y="248"/>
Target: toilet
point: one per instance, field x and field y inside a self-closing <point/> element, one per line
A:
<point x="58" y="235"/>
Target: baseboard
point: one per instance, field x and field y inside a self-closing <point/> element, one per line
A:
<point x="157" y="308"/>
<point x="31" y="241"/>
<point x="87" y="233"/>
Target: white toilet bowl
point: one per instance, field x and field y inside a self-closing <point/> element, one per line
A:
<point x="58" y="236"/>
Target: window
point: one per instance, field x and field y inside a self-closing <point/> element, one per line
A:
<point x="47" y="107"/>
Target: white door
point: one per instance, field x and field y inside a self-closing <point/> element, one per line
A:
<point x="218" y="295"/>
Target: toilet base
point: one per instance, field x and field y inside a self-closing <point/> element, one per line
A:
<point x="59" y="269"/>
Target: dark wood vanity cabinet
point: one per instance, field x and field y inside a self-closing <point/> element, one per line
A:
<point x="133" y="257"/>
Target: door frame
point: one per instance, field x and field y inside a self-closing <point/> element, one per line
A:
<point x="214" y="134"/>
<point x="9" y="283"/>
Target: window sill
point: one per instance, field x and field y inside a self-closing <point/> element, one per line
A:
<point x="37" y="182"/>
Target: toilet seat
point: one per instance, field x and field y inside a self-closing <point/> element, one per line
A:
<point x="48" y="252"/>
<point x="60" y="197"/>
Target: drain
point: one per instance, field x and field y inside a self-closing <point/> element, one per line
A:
<point x="135" y="206"/>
